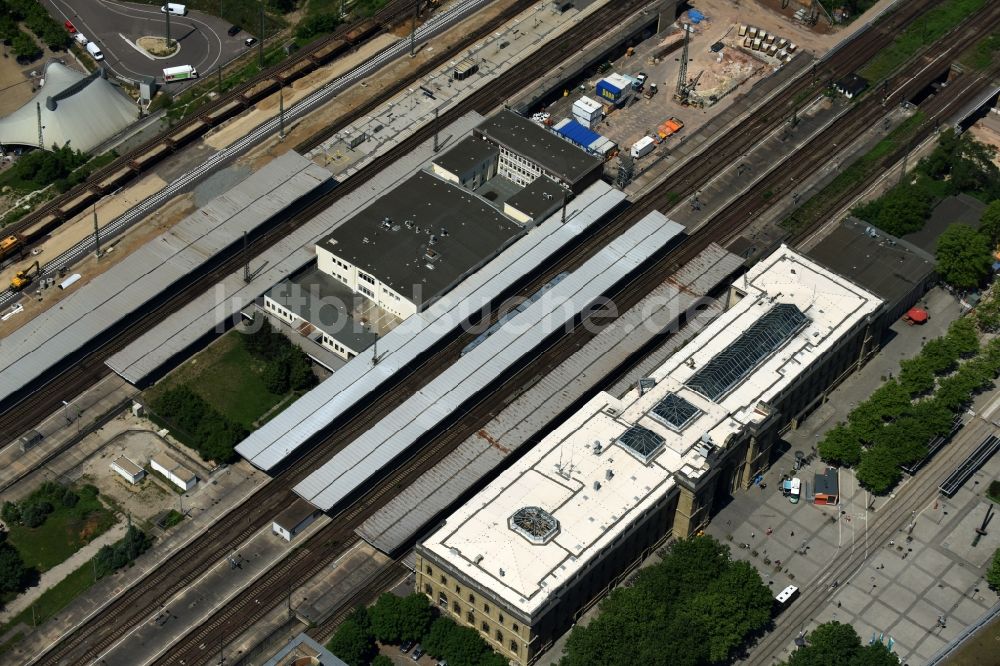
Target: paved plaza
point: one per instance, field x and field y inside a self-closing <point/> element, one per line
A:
<point x="904" y="587"/>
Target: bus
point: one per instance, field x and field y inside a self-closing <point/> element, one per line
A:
<point x="179" y="73"/>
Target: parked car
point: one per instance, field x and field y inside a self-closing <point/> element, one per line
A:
<point x="70" y="27"/>
<point x="418" y="652"/>
<point x="442" y="663"/>
<point x="80" y="38"/>
<point x="234" y="30"/>
<point x="249" y="41"/>
<point x="406" y="646"/>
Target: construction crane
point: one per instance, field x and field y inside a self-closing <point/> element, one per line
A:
<point x="23" y="278"/>
<point x="680" y="94"/>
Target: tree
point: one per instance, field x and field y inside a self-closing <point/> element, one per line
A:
<point x="993" y="575"/>
<point x="916" y="376"/>
<point x="963" y="256"/>
<point x="962" y="337"/>
<point x="387" y="619"/>
<point x="13" y="572"/>
<point x="879" y="470"/>
<point x="829" y="644"/>
<point x="381" y="660"/>
<point x="353" y="642"/>
<point x="900" y="211"/>
<point x="695" y="607"/>
<point x="11" y="513"/>
<point x="989" y="223"/>
<point x="300" y="374"/>
<point x="988" y="315"/>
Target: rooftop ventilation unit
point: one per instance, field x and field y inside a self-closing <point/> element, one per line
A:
<point x="597" y="485"/>
<point x="479" y="558"/>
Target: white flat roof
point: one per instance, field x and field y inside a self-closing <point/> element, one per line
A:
<point x="560" y="473"/>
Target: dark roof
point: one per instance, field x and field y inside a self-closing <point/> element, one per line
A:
<point x="960" y="209"/>
<point x="852" y="84"/>
<point x="466" y="154"/>
<point x="296" y="512"/>
<point x="547" y="149"/>
<point x="423" y="237"/>
<point x="873" y="259"/>
<point x="827" y="482"/>
<point x="539" y="199"/>
<point x="326" y="303"/>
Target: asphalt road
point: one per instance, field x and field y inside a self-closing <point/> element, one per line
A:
<point x="114" y="26"/>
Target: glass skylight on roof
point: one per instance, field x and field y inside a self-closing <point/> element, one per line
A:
<point x="641" y="443"/>
<point x="674" y="412"/>
<point x="764" y="337"/>
<point x="534" y="523"/>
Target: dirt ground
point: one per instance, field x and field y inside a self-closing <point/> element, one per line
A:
<point x="168" y="215"/>
<point x="987" y="130"/>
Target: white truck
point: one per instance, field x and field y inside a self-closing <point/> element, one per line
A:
<point x="94" y="52"/>
<point x="174" y="8"/>
<point x="179" y="73"/>
<point x="643" y="146"/>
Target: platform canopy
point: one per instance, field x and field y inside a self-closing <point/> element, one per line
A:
<point x="79" y="109"/>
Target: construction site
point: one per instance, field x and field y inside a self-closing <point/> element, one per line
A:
<point x="644" y="97"/>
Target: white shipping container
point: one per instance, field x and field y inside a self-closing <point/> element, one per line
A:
<point x="756" y="44"/>
<point x="586" y="122"/>
<point x="643" y="146"/>
<point x="587" y="107"/>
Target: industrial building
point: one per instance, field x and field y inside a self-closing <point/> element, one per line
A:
<point x="128" y="470"/>
<point x="290" y="522"/>
<point x="414" y="244"/>
<point x="461" y="383"/>
<point x="527" y="151"/>
<point x="174" y="472"/>
<point x="401" y="348"/>
<point x="320" y="307"/>
<point x="897" y="271"/>
<point x="524" y="556"/>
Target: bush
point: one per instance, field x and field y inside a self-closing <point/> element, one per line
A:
<point x="33" y="514"/>
<point x="317" y="24"/>
<point x="70" y="498"/>
<point x="287" y="366"/>
<point x="122" y="553"/>
<point x="212" y="434"/>
<point x="381" y="660"/>
<point x="11" y="513"/>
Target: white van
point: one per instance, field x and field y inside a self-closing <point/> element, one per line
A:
<point x="174" y="8"/>
<point x="94" y="51"/>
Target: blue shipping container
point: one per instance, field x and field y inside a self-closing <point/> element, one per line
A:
<point x="608" y="90"/>
<point x="578" y="134"/>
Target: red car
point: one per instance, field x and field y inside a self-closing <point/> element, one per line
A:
<point x="70" y="27"/>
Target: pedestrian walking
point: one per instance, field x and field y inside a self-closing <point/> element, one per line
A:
<point x="753" y="535"/>
<point x="793" y="533"/>
<point x="769" y="531"/>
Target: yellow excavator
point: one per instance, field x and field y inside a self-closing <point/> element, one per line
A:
<point x="23" y="278"/>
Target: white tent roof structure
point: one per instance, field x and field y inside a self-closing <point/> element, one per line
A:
<point x="78" y="109"/>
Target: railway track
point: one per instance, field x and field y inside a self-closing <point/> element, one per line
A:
<point x="91" y="638"/>
<point x="106" y="179"/>
<point x="233" y="619"/>
<point x="102" y="629"/>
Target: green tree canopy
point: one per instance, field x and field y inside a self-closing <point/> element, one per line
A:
<point x="837" y="644"/>
<point x="353" y="641"/>
<point x="989" y="223"/>
<point x="13" y="572"/>
<point x="963" y="256"/>
<point x="840" y="446"/>
<point x="993" y="575"/>
<point x="397" y="619"/>
<point x="694" y="607"/>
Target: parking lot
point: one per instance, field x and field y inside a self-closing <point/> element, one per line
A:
<point x="908" y="585"/>
<point x="115" y="27"/>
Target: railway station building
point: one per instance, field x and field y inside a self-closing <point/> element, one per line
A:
<point x="529" y="553"/>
